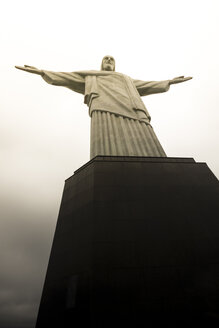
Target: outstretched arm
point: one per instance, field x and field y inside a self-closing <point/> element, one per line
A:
<point x="147" y="88"/>
<point x="73" y="81"/>
<point x="30" y="69"/>
<point x="180" y="79"/>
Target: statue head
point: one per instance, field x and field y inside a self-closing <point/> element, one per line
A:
<point x="108" y="63"/>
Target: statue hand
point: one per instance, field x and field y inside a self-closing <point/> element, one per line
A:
<point x="180" y="79"/>
<point x="30" y="69"/>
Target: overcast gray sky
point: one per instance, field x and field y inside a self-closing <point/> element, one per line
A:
<point x="44" y="130"/>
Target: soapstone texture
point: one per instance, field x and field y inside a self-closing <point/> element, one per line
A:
<point x="120" y="122"/>
<point x="126" y="130"/>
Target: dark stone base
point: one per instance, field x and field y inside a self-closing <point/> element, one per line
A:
<point x="136" y="244"/>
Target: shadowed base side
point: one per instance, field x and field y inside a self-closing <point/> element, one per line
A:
<point x="136" y="245"/>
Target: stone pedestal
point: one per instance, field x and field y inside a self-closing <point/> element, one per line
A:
<point x="136" y="244"/>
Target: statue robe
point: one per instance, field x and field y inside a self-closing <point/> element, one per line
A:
<point x="120" y="122"/>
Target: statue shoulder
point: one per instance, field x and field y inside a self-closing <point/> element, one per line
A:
<point x="86" y="73"/>
<point x="99" y="73"/>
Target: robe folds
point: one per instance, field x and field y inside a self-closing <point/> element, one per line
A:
<point x="120" y="122"/>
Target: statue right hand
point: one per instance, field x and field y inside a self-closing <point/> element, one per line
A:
<point x="30" y="69"/>
<point x="180" y="79"/>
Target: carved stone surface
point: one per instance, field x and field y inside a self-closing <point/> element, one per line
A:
<point x="136" y="243"/>
<point x="120" y="122"/>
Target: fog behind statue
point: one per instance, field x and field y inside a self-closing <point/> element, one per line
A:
<point x="120" y="122"/>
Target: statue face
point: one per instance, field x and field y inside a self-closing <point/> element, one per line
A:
<point x="108" y="63"/>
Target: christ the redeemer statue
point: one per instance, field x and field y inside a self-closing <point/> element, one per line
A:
<point x="120" y="122"/>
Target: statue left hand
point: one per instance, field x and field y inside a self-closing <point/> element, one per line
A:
<point x="180" y="79"/>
